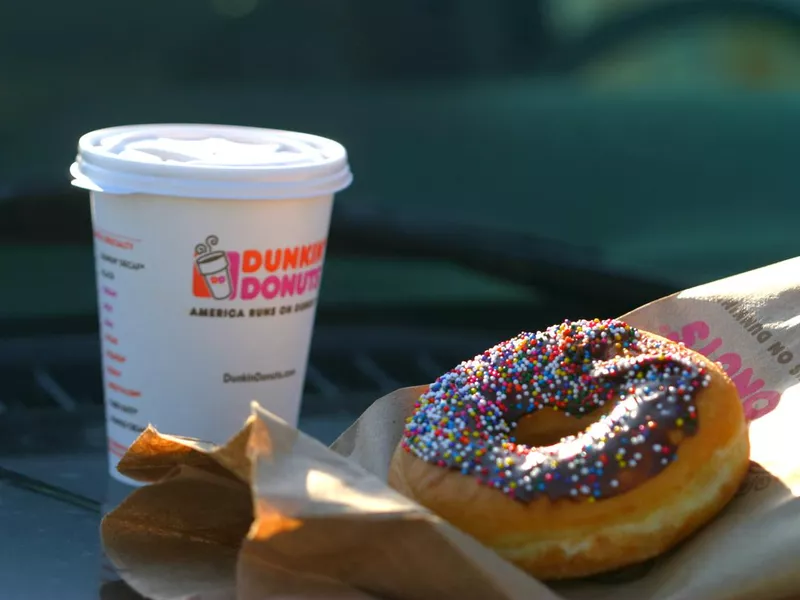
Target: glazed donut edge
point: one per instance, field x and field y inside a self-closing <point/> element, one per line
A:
<point x="564" y="538"/>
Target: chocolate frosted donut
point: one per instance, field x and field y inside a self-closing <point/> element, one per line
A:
<point x="635" y="406"/>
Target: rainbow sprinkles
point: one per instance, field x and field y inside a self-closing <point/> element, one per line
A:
<point x="466" y="419"/>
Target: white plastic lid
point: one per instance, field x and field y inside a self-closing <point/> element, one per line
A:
<point x="210" y="161"/>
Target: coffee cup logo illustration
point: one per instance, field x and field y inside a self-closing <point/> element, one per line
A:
<point x="253" y="274"/>
<point x="214" y="267"/>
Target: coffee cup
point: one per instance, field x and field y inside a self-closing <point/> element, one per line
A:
<point x="209" y="247"/>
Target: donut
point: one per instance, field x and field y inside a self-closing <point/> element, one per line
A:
<point x="577" y="450"/>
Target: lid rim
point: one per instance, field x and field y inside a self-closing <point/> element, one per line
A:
<point x="221" y="191"/>
<point x="97" y="168"/>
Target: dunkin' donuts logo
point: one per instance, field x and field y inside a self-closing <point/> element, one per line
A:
<point x="256" y="274"/>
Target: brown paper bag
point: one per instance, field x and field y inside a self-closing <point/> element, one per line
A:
<point x="275" y="514"/>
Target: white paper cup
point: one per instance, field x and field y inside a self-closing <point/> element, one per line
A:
<point x="209" y="247"/>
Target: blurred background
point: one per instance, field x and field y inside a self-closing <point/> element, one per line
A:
<point x="517" y="162"/>
<point x="658" y="134"/>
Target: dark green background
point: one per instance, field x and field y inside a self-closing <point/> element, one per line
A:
<point x="445" y="114"/>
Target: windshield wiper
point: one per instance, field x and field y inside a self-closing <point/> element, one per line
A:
<point x="37" y="486"/>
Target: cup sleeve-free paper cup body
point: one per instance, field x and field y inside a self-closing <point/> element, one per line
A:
<point x="204" y="306"/>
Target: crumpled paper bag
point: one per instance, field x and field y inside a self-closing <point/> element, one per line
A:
<point x="275" y="514"/>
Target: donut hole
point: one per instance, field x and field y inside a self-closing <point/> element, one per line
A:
<point x="549" y="427"/>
